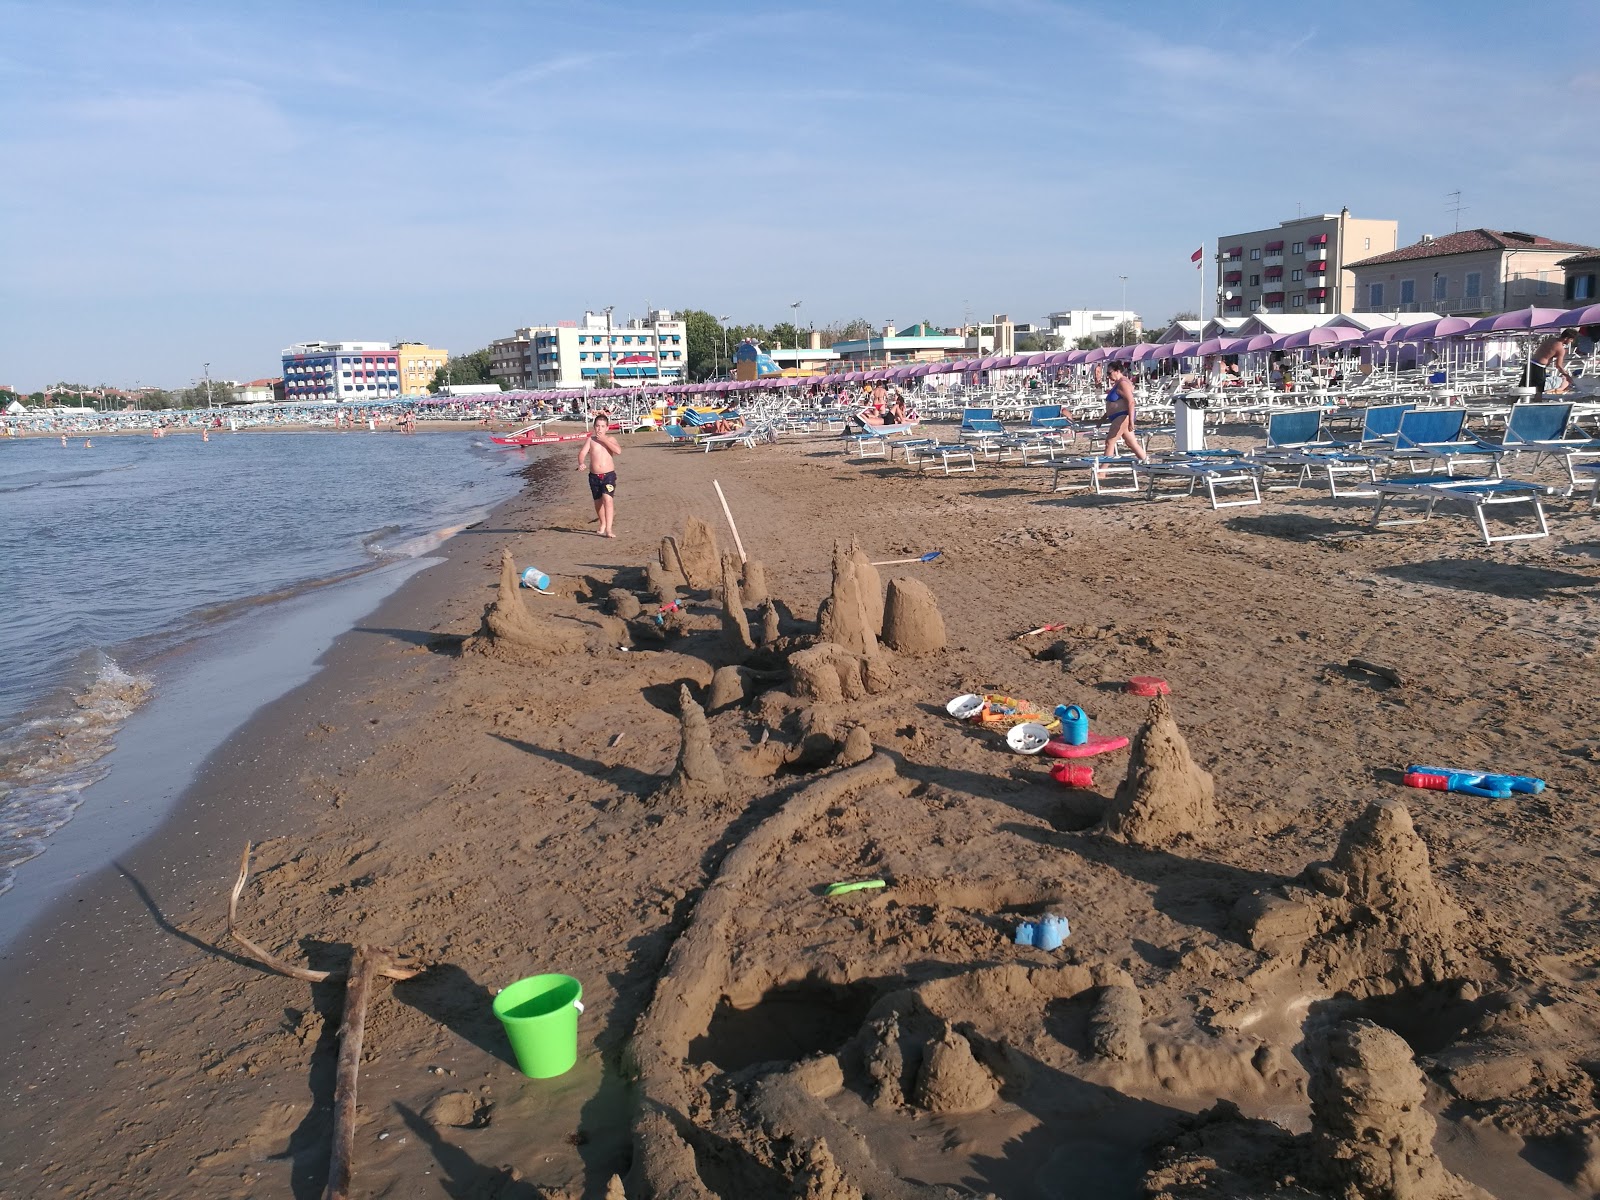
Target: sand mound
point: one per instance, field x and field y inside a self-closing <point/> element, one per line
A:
<point x="698" y="775"/>
<point x="698" y="556"/>
<point x="871" y="586"/>
<point x="1165" y="795"/>
<point x="828" y="673"/>
<point x="857" y="747"/>
<point x="769" y="623"/>
<point x="1371" y="1136"/>
<point x="727" y="688"/>
<point x="846" y="616"/>
<point x="735" y="624"/>
<point x="911" y="620"/>
<point x="509" y="628"/>
<point x="754" y="584"/>
<point x="623" y="603"/>
<point x="951" y="1080"/>
<point x="1386" y="870"/>
<point x="1115" y="1022"/>
<point x="665" y="576"/>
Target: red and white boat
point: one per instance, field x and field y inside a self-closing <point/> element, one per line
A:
<point x="533" y="435"/>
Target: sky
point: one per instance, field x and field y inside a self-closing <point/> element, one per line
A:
<point x="194" y="183"/>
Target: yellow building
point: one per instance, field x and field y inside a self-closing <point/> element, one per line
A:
<point x="418" y="365"/>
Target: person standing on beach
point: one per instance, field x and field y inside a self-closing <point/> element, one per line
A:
<point x="599" y="456"/>
<point x="1119" y="412"/>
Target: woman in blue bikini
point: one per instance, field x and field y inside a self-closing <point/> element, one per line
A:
<point x="1119" y="412"/>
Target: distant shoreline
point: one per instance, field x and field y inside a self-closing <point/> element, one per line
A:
<point x="288" y="427"/>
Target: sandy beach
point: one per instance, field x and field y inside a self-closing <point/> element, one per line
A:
<point x="497" y="808"/>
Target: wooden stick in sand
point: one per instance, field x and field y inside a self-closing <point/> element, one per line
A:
<point x="367" y="964"/>
<point x="728" y="512"/>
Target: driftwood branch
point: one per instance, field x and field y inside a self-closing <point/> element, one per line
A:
<point x="1378" y="669"/>
<point x="393" y="967"/>
<point x="368" y="963"/>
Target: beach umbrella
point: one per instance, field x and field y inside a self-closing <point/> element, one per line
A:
<point x="1074" y="357"/>
<point x="1584" y="314"/>
<point x="1178" y="349"/>
<point x="1256" y="341"/>
<point x="1138" y="352"/>
<point x="1219" y="345"/>
<point x="1440" y="327"/>
<point x="1319" y="335"/>
<point x="1059" y="358"/>
<point x="1381" y="336"/>
<point x="1098" y="354"/>
<point x="1524" y="319"/>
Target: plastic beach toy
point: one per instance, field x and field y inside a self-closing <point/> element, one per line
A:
<point x="860" y="885"/>
<point x="1074" y="724"/>
<point x="1073" y="775"/>
<point x="1028" y="738"/>
<point x="1047" y="933"/>
<point x="540" y="1015"/>
<point x="1149" y="685"/>
<point x="535" y="579"/>
<point x="1098" y="743"/>
<point x="965" y="707"/>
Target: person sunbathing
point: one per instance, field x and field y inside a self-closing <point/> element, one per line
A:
<point x="728" y="421"/>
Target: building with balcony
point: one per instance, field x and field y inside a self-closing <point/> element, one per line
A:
<point x="1301" y="266"/>
<point x="419" y="363"/>
<point x="579" y="354"/>
<point x="1473" y="271"/>
<point x="340" y="372"/>
<point x="1071" y="324"/>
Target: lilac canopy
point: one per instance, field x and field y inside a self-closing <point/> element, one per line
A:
<point x="1318" y="335"/>
<point x="1219" y="345"/>
<point x="1098" y="354"/>
<point x="1521" y="319"/>
<point x="1140" y="352"/>
<point x="1178" y="349"/>
<point x="1586" y="314"/>
<point x="1381" y="335"/>
<point x="1061" y="358"/>
<point x="1256" y="341"/>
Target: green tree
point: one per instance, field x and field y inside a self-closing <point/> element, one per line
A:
<point x="1086" y="343"/>
<point x="465" y="368"/>
<point x="703" y="357"/>
<point x="782" y="336"/>
<point x="1184" y="315"/>
<point x="1030" y="343"/>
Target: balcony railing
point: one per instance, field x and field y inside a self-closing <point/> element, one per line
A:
<point x="1273" y="259"/>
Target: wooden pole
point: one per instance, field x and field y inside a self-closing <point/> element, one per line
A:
<point x="728" y="512"/>
<point x="364" y="967"/>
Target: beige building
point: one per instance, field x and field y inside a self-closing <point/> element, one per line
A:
<point x="1582" y="273"/>
<point x="1301" y="266"/>
<point x="418" y="365"/>
<point x="1473" y="271"/>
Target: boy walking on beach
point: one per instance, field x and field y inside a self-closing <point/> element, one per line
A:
<point x="598" y="454"/>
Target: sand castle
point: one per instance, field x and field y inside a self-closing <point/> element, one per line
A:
<point x="508" y="627"/>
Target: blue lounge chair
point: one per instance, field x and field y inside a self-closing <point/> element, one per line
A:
<point x="1437" y="435"/>
<point x="1477" y="494"/>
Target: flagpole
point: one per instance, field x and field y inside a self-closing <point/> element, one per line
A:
<point x="1201" y="311"/>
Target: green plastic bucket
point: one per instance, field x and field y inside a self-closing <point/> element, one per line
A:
<point x="540" y="1015"/>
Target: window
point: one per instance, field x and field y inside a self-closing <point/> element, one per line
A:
<point x="1367" y="243"/>
<point x="1408" y="291"/>
<point x="1544" y="284"/>
<point x="1297" y="275"/>
<point x="1298" y="248"/>
<point x="1299" y="301"/>
<point x="1474" y="287"/>
<point x="1255" y="281"/>
<point x="1581" y="287"/>
<point x="1255" y="306"/>
<point x="1440" y="283"/>
<point x="1374" y="295"/>
<point x="1255" y="256"/>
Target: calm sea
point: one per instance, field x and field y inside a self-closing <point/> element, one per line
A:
<point x="114" y="556"/>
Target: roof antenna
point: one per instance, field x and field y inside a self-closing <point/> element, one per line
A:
<point x="1457" y="208"/>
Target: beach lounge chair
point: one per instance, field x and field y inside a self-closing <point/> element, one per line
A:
<point x="945" y="455"/>
<point x="1478" y="494"/>
<point x="1048" y="417"/>
<point x="677" y="434"/>
<point x="1433" y="436"/>
<point x="1106" y="476"/>
<point x="1215" y="469"/>
<point x="1541" y="428"/>
<point x="1380" y="425"/>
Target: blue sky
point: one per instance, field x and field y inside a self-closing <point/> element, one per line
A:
<point x="210" y="182"/>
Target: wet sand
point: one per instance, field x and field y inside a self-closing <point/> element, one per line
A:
<point x="479" y="810"/>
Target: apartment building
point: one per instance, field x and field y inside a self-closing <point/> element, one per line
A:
<point x="1299" y="266"/>
<point x="419" y="363"/>
<point x="1582" y="273"/>
<point x="1075" y="323"/>
<point x="1473" y="271"/>
<point x="576" y="354"/>
<point x="340" y="372"/>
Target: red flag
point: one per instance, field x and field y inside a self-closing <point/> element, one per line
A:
<point x="1197" y="256"/>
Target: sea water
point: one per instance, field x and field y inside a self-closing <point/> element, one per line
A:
<point x="123" y="554"/>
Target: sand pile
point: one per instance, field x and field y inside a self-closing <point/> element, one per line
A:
<point x="698" y="774"/>
<point x="695" y="554"/>
<point x="735" y="624"/>
<point x="827" y="673"/>
<point x="951" y="1080"/>
<point x="509" y="628"/>
<point x="853" y="612"/>
<point x="1165" y="795"/>
<point x="1371" y="1137"/>
<point x="754" y="584"/>
<point x="1372" y="919"/>
<point x="911" y="620"/>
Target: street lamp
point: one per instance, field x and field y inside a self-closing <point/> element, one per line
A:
<point x="796" y="306"/>
<point x="611" y="374"/>
<point x="1124" y="331"/>
<point x="208" y="385"/>
<point x="723" y="322"/>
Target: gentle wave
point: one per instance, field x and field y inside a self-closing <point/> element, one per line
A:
<point x="48" y="759"/>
